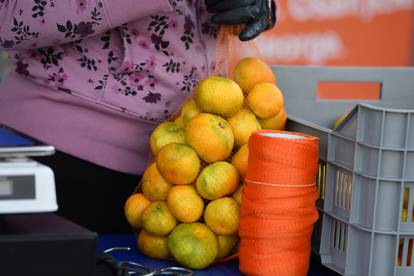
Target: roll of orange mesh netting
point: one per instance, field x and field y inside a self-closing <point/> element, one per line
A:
<point x="278" y="204"/>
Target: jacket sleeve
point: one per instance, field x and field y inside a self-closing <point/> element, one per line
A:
<point x="26" y="24"/>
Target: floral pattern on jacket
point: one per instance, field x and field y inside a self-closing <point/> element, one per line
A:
<point x="142" y="62"/>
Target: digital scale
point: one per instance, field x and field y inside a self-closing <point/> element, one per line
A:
<point x="34" y="240"/>
<point x="26" y="186"/>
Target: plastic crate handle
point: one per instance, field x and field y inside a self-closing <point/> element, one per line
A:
<point x="345" y="91"/>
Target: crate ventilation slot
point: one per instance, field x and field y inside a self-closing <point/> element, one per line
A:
<point x="405" y="253"/>
<point x="343" y="190"/>
<point x="321" y="179"/>
<point x="339" y="236"/>
<point x="407" y="208"/>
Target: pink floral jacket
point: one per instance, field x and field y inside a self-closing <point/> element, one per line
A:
<point x="139" y="58"/>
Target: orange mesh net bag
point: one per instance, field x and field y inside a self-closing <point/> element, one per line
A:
<point x="230" y="50"/>
<point x="278" y="204"/>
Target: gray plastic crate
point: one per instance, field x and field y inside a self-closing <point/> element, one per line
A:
<point x="366" y="167"/>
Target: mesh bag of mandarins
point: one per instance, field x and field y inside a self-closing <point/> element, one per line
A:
<point x="187" y="205"/>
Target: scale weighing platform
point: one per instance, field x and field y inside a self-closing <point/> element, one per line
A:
<point x="33" y="239"/>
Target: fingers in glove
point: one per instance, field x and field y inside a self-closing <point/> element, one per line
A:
<point x="237" y="16"/>
<point x="225" y="5"/>
<point x="273" y="15"/>
<point x="253" y="29"/>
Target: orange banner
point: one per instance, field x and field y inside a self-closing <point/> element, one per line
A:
<point x="341" y="32"/>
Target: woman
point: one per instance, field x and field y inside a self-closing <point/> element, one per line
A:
<point x="94" y="77"/>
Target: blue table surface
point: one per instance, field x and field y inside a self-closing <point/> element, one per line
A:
<point x="9" y="138"/>
<point x="227" y="268"/>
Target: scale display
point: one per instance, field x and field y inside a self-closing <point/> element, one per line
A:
<point x="17" y="187"/>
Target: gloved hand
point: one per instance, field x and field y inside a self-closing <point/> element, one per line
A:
<point x="258" y="15"/>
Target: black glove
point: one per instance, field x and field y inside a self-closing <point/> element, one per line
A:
<point x="258" y="15"/>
